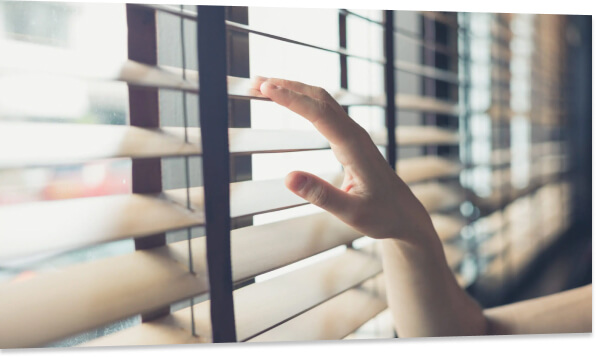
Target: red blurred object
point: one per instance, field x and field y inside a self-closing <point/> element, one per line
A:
<point x="25" y="275"/>
<point x="113" y="178"/>
<point x="99" y="178"/>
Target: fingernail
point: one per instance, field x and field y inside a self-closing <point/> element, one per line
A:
<point x="257" y="81"/>
<point x="268" y="85"/>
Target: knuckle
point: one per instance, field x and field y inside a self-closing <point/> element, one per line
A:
<point x="323" y="107"/>
<point x="320" y="92"/>
<point x="321" y="110"/>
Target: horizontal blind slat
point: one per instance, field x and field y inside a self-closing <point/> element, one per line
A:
<point x="435" y="197"/>
<point x="332" y="320"/>
<point x="425" y="135"/>
<point x="426" y="167"/>
<point x="69" y="63"/>
<point x="252" y="197"/>
<point x="271" y="302"/>
<point x="68" y="224"/>
<point x="425" y="104"/>
<point x="26" y="58"/>
<point x="249" y="259"/>
<point x="418" y="136"/>
<point x="51" y="227"/>
<point x="235" y="26"/>
<point x="59" y="304"/>
<point x="144" y="280"/>
<point x="259" y="249"/>
<point x="55" y="143"/>
<point x="427" y="71"/>
<point x="337" y="317"/>
<point x="61" y="62"/>
<point x="261" y="306"/>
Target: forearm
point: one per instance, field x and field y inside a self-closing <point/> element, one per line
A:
<point x="564" y="312"/>
<point x="423" y="295"/>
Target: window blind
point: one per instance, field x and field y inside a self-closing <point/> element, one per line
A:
<point x="515" y="162"/>
<point x="262" y="265"/>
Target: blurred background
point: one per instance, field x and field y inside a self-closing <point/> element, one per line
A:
<point x="521" y="83"/>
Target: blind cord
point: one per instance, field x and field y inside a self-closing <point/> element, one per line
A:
<point x="187" y="170"/>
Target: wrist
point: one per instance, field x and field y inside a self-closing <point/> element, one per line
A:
<point x="423" y="246"/>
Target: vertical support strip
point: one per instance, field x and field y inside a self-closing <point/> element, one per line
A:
<point x="213" y="113"/>
<point x="390" y="112"/>
<point x="144" y="106"/>
<point x="239" y="109"/>
<point x="144" y="112"/>
<point x="343" y="44"/>
<point x="343" y="60"/>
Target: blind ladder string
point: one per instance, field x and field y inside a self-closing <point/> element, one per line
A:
<point x="371" y="125"/>
<point x="187" y="170"/>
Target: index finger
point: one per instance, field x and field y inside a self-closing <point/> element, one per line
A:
<point x="299" y="87"/>
<point x="336" y="126"/>
<point x="351" y="144"/>
<point x="311" y="91"/>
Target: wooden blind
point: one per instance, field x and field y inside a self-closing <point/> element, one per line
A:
<point x="247" y="276"/>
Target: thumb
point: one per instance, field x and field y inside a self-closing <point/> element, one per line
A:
<point x="319" y="192"/>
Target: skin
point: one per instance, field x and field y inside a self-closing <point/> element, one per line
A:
<point x="423" y="295"/>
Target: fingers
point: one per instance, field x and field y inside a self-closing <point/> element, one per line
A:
<point x="336" y="126"/>
<point x="311" y="91"/>
<point x="310" y="108"/>
<point x="351" y="144"/>
<point x="320" y="193"/>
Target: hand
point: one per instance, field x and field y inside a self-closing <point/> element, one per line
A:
<point x="372" y="199"/>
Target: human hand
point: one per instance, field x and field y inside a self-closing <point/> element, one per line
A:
<point x="372" y="199"/>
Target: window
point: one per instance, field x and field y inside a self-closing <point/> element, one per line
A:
<point x="510" y="78"/>
<point x="119" y="214"/>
